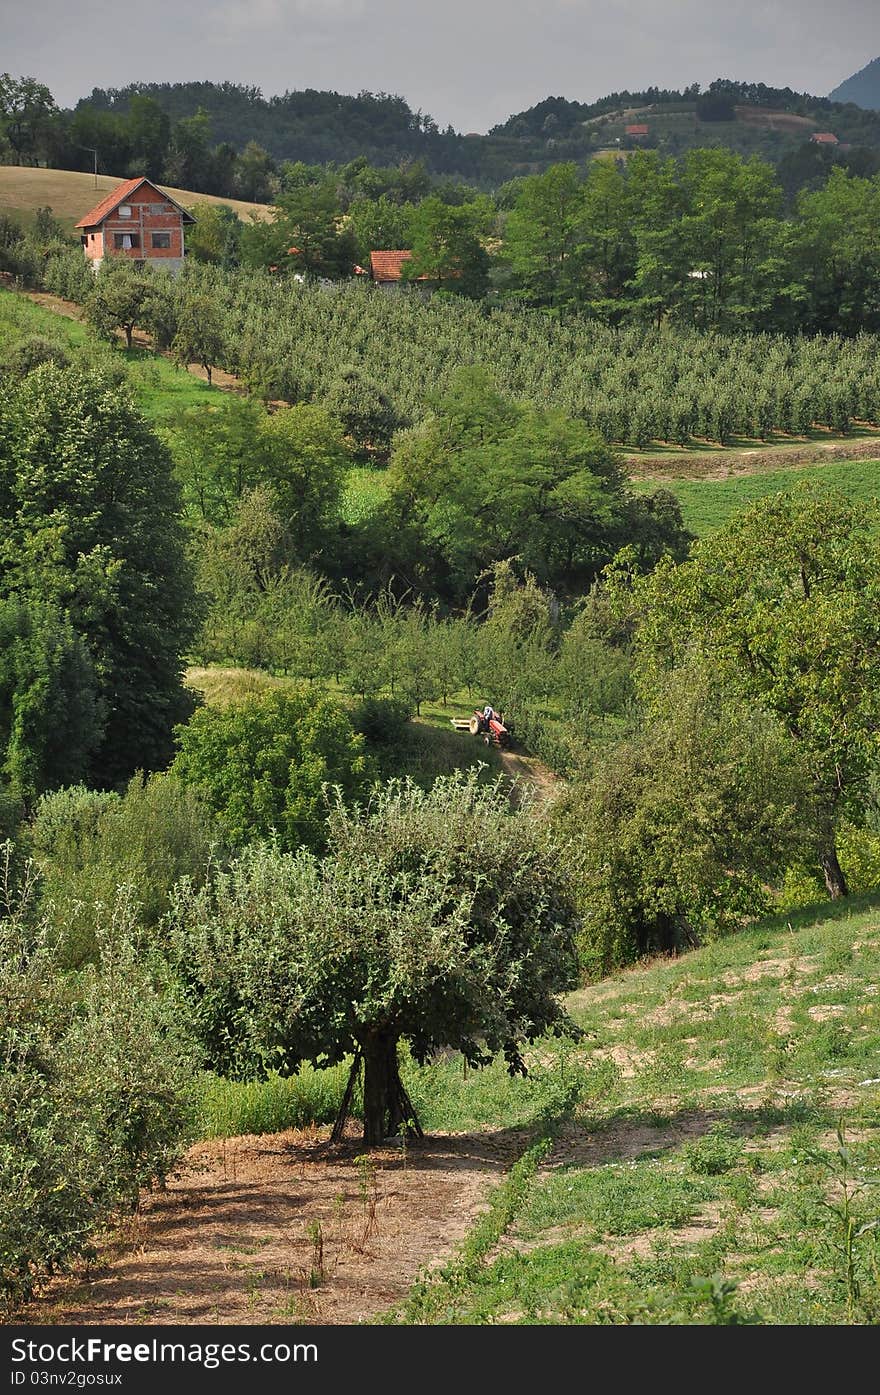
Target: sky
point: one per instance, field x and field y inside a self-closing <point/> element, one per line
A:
<point x="469" y="63"/>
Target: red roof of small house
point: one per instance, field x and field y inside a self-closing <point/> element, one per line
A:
<point x="636" y="130"/>
<point x="824" y="138"/>
<point x="118" y="195"/>
<point x="387" y="266"/>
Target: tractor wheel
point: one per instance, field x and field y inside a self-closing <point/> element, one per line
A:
<point x="474" y="726"/>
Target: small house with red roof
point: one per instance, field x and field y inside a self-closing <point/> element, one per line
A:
<point x="824" y="138"/>
<point x="637" y="132"/>
<point x="386" y="269"/>
<point x="138" y="220"/>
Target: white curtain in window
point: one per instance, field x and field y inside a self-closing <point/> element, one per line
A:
<point x="126" y="242"/>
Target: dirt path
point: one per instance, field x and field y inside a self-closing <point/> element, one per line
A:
<point x="722" y="464"/>
<point x="530" y="771"/>
<point x="279" y="1229"/>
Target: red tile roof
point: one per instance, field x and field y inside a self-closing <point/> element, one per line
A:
<point x="387" y="266"/>
<point x="636" y="130"/>
<point x="824" y="138"/>
<point x="118" y="195"/>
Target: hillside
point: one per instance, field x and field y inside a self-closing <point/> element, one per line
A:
<point x="321" y="127"/>
<point x="863" y="88"/>
<point x="680" y="1165"/>
<point x="70" y="193"/>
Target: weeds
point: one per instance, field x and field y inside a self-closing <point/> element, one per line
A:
<point x="317" y="1273"/>
<point x="848" y="1230"/>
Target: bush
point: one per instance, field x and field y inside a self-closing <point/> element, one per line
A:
<point x="89" y="843"/>
<point x="31" y="352"/>
<point x="95" y="1094"/>
<point x="68" y="274"/>
<point x="678" y="830"/>
<point x="263" y="765"/>
<point x="381" y="721"/>
<point x="716" y="1152"/>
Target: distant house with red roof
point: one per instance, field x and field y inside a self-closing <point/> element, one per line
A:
<point x="824" y="138"/>
<point x="637" y="132"/>
<point x="138" y="220"/>
<point x="386" y="268"/>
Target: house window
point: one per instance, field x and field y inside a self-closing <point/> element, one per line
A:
<point x="123" y="242"/>
<point x="124" y="210"/>
<point x="161" y="240"/>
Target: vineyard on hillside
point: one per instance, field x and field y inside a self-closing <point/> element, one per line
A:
<point x="635" y="386"/>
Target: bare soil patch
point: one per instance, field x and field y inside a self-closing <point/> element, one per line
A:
<point x="529" y="771"/>
<point x="282" y="1228"/>
<point x="724" y="463"/>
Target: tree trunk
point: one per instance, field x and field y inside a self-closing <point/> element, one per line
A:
<point x="388" y="1109"/>
<point x="129" y="331"/>
<point x="832" y="871"/>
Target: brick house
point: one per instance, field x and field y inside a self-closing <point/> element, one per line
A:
<point x="137" y="220"/>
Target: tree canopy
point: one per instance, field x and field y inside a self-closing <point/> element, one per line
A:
<point x="437" y="918"/>
<point x="486" y="478"/>
<point x="89" y="534"/>
<point x="262" y="764"/>
<point x="786" y="601"/>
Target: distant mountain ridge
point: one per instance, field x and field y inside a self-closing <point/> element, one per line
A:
<point x="863" y="88"/>
<point x="319" y="127"/>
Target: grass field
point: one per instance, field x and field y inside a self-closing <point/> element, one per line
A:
<point x="707" y="504"/>
<point x="698" y="1177"/>
<point x="707" y="1152"/>
<point x="160" y="387"/>
<point x="70" y="194"/>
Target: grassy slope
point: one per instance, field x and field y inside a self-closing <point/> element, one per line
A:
<point x="70" y="194"/>
<point x="160" y="387"/>
<point x="703" y="1149"/>
<point x="687" y="1143"/>
<point x="707" y="504"/>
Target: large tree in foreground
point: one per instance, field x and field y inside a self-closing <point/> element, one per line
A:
<point x="785" y="600"/>
<point x="438" y="918"/>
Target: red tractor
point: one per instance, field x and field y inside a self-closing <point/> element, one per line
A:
<point x="491" y="726"/>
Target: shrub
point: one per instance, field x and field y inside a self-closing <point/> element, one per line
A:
<point x="95" y="1095"/>
<point x="381" y="721"/>
<point x="716" y="1152"/>
<point x="68" y="274"/>
<point x="29" y="353"/>
<point x="262" y="765"/>
<point x="89" y="843"/>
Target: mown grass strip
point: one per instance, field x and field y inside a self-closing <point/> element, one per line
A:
<point x="435" y="1297"/>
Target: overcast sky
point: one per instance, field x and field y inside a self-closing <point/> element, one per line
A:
<point x="470" y="63"/>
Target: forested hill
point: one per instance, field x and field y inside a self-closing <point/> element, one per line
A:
<point x="321" y="127"/>
<point x="312" y="126"/>
<point x="863" y="88"/>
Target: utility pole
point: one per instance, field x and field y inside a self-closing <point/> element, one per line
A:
<point x="94" y="152"/>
